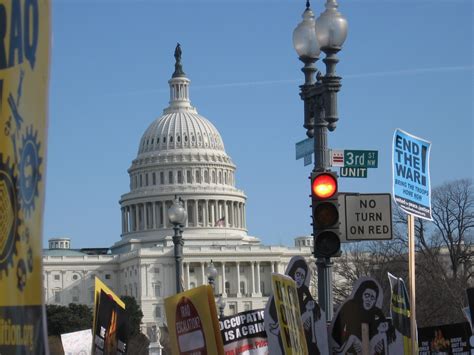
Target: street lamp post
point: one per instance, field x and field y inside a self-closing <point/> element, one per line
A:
<point x="221" y="304"/>
<point x="211" y="275"/>
<point x="327" y="33"/>
<point x="177" y="216"/>
<point x="211" y="278"/>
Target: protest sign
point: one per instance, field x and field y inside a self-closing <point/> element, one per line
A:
<point x="110" y="323"/>
<point x="192" y="322"/>
<point x="244" y="332"/>
<point x="400" y="313"/>
<point x="25" y="30"/>
<point x="288" y="313"/>
<point x="312" y="316"/>
<point x="77" y="343"/>
<point x="445" y="339"/>
<point x="362" y="309"/>
<point x="411" y="174"/>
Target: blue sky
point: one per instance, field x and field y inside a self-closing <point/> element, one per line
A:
<point x="405" y="64"/>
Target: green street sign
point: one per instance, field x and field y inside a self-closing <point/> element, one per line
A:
<point x="361" y="158"/>
<point x="353" y="172"/>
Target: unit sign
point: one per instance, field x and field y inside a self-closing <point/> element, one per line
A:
<point x="368" y="217"/>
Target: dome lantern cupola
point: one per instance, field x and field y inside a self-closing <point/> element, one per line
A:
<point x="179" y="86"/>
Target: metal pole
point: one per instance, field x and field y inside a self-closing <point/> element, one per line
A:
<point x="321" y="163"/>
<point x="411" y="270"/>
<point x="178" y="255"/>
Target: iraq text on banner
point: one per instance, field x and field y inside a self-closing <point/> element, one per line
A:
<point x="24" y="74"/>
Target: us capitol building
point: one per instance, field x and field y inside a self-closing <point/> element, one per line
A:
<point x="181" y="153"/>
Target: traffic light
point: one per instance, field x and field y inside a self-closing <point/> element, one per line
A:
<point x="324" y="195"/>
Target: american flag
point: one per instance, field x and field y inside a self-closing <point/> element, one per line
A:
<point x="220" y="222"/>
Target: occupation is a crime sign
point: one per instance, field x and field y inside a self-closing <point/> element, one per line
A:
<point x="411" y="174"/>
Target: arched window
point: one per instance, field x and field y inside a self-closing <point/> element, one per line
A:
<point x="206" y="176"/>
<point x="213" y="177"/>
<point x="75" y="294"/>
<point x="242" y="288"/>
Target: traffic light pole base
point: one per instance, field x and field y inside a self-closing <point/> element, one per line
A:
<point x="325" y="295"/>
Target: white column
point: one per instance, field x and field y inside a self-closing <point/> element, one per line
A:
<point x="252" y="277"/>
<point x="206" y="213"/>
<point x="213" y="213"/>
<point x="163" y="213"/>
<point x="186" y="224"/>
<point x="196" y="216"/>
<point x="187" y="275"/>
<point x="154" y="216"/>
<point x="203" y="274"/>
<point x="223" y="280"/>
<point x="258" y="278"/>
<point x="273" y="266"/>
<point x="145" y="216"/>
<point x="238" y="279"/>
<point x="137" y="220"/>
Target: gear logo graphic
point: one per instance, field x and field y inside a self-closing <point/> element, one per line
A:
<point x="9" y="220"/>
<point x="30" y="176"/>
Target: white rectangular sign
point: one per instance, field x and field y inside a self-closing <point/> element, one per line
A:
<point x="368" y="217"/>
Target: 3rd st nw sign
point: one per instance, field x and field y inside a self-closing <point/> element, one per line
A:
<point x="368" y="217"/>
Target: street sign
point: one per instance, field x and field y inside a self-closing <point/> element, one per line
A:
<point x="305" y="147"/>
<point x="353" y="172"/>
<point x="411" y="174"/>
<point x="354" y="158"/>
<point x="367" y="217"/>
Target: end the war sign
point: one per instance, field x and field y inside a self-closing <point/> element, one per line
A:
<point x="411" y="177"/>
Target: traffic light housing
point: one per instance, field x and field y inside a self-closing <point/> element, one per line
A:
<point x="325" y="206"/>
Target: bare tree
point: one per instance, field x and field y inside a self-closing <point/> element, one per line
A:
<point x="444" y="260"/>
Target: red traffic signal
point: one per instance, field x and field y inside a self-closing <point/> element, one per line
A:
<point x="324" y="186"/>
<point x="325" y="206"/>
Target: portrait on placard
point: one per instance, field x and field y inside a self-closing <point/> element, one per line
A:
<point x="312" y="316"/>
<point x="364" y="306"/>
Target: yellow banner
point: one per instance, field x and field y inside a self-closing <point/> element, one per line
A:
<point x="288" y="312"/>
<point x="192" y="322"/>
<point x="24" y="74"/>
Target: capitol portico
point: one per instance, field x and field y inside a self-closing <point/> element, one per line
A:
<point x="180" y="153"/>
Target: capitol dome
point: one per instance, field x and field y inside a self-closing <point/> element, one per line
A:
<point x="181" y="153"/>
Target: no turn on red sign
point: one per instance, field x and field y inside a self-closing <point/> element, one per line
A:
<point x="367" y="217"/>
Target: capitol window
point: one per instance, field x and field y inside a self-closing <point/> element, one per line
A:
<point x="146" y="179"/>
<point x="56" y="277"/>
<point x="75" y="277"/>
<point x="162" y="178"/>
<point x="170" y="177"/>
<point x="189" y="177"/>
<point x="206" y="176"/>
<point x="153" y="176"/>
<point x="242" y="287"/>
<point x="157" y="289"/>
<point x="75" y="294"/>
<point x="57" y="295"/>
<point x="158" y="311"/>
<point x="180" y="177"/>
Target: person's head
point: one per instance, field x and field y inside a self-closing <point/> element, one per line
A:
<point x="299" y="272"/>
<point x="366" y="295"/>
